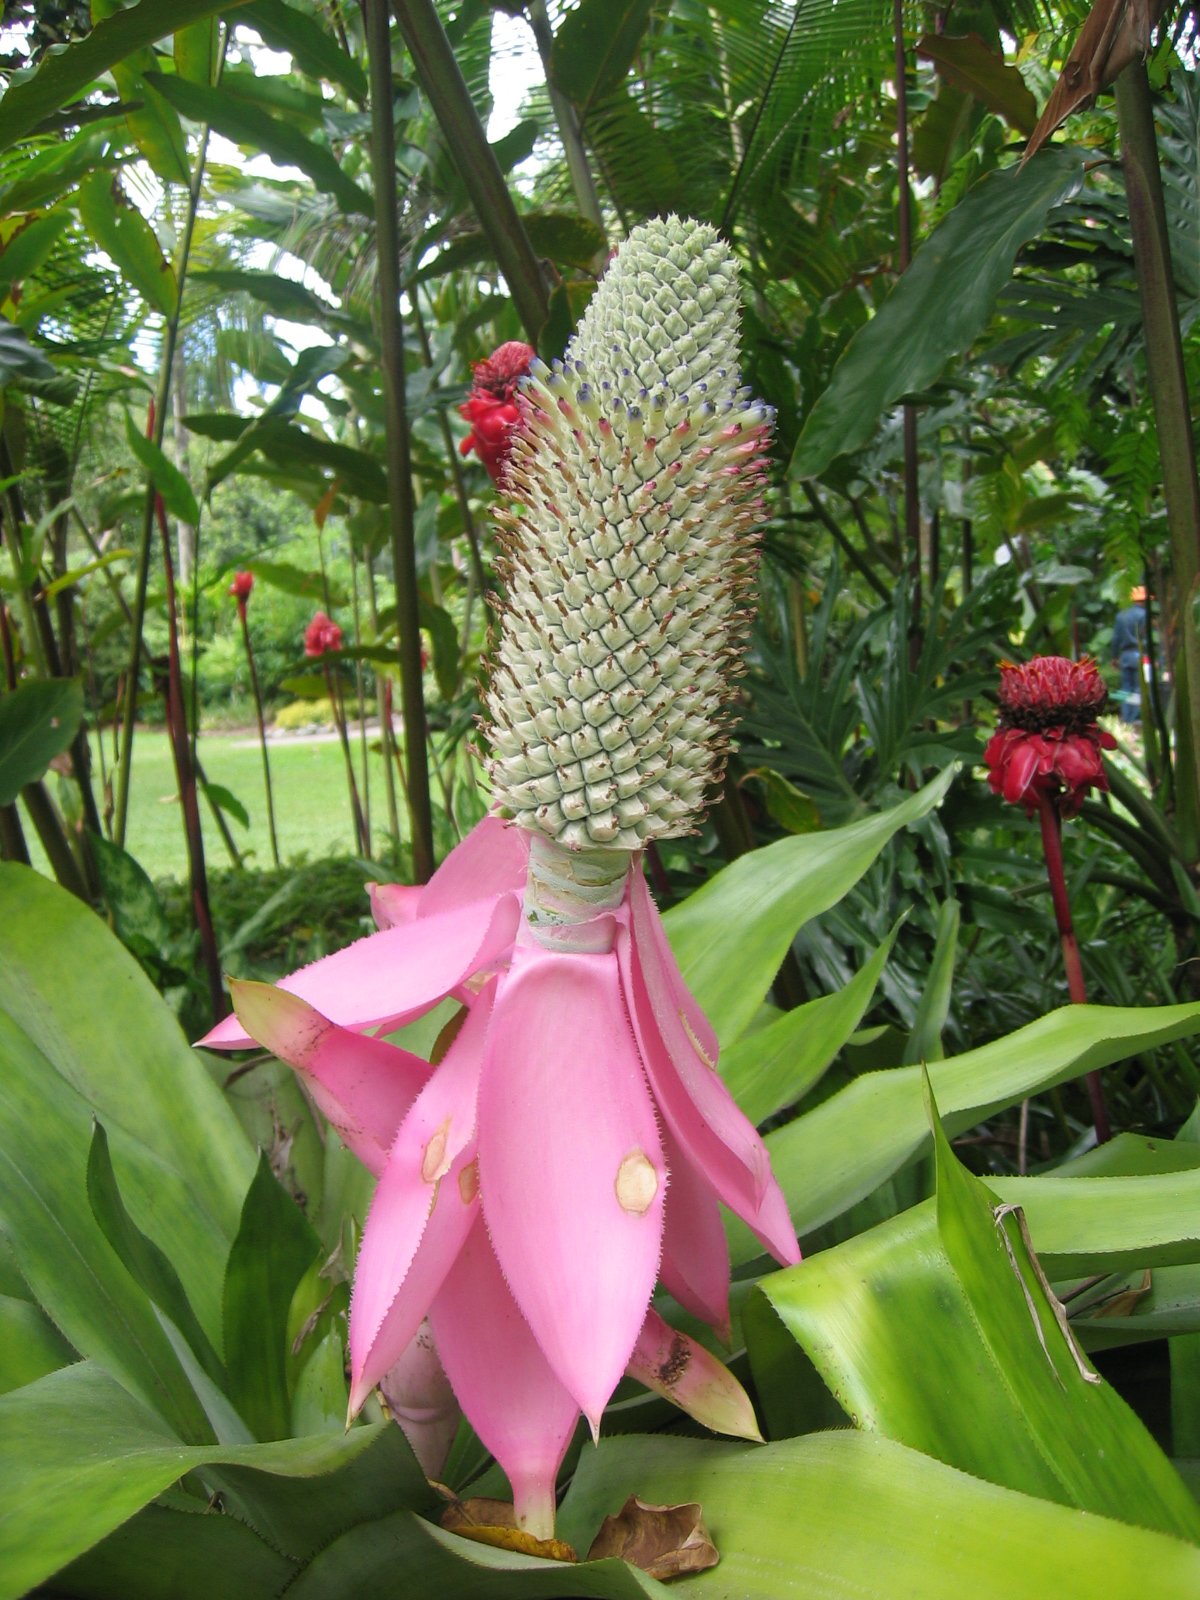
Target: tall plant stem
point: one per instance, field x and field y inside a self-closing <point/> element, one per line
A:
<point x="161" y="400"/>
<point x="1172" y="418"/>
<point x="262" y="731"/>
<point x="399" y="462"/>
<point x="454" y="109"/>
<point x="339" y="717"/>
<point x="185" y="773"/>
<point x="364" y="754"/>
<point x="1051" y="821"/>
<point x="912" y="482"/>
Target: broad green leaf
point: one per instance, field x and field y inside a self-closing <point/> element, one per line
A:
<point x="938" y="307"/>
<point x="1109" y="1224"/>
<point x="846" y="1147"/>
<point x="166" y="477"/>
<point x="225" y="800"/>
<point x="19" y="359"/>
<point x="248" y="125"/>
<point x="294" y="448"/>
<point x="38" y="720"/>
<point x="138" y="918"/>
<point x="153" y="1271"/>
<point x="595" y="46"/>
<point x="779" y="1064"/>
<point x="123" y="233"/>
<point x="46" y="177"/>
<point x="946" y="1299"/>
<point x="273" y="1249"/>
<point x="1146" y="1303"/>
<point x="291" y="580"/>
<point x="319" y="1404"/>
<point x="78" y="1456"/>
<point x="757" y="903"/>
<point x="30" y="1344"/>
<point x="30" y="245"/>
<point x="111" y="1040"/>
<point x="840" y="1514"/>
<point x="45" y="1132"/>
<point x="313" y="48"/>
<point x="975" y="67"/>
<point x="62" y="75"/>
<point x="168" y="1553"/>
<point x="195" y="51"/>
<point x="443" y="638"/>
<point x="153" y="125"/>
<point x="283" y="296"/>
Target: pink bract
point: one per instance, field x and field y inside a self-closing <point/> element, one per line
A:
<point x="573" y="1144"/>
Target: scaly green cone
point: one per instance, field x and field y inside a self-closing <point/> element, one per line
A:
<point x="638" y="464"/>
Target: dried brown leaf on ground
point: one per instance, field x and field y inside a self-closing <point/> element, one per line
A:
<point x="665" y="1541"/>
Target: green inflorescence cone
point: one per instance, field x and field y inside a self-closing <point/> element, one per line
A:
<point x="638" y="464"/>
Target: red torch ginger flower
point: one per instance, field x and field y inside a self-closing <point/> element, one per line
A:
<point x="321" y="636"/>
<point x="241" y="586"/>
<point x="491" y="407"/>
<point x="1049" y="741"/>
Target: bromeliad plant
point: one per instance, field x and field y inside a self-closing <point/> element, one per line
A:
<point x="575" y="1141"/>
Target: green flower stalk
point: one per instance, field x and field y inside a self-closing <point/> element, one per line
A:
<point x="639" y="468"/>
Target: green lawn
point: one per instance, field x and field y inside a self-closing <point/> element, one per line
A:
<point x="312" y="808"/>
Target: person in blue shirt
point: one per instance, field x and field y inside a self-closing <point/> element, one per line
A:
<point x="1129" y="642"/>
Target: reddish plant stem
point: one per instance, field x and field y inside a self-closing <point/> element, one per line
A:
<point x="262" y="730"/>
<point x="1051" y="821"/>
<point x="339" y="717"/>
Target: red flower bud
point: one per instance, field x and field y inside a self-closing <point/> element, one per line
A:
<point x="241" y="586"/>
<point x="491" y="407"/>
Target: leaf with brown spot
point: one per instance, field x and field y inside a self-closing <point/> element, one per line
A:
<point x="493" y="1522"/>
<point x="665" y="1541"/>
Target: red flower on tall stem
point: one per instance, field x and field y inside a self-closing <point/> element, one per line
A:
<point x="321" y="636"/>
<point x="240" y="588"/>
<point x="1049" y="742"/>
<point x="491" y="407"/>
<point x="1046" y="756"/>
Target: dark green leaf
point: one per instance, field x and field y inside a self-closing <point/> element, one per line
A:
<point x="18" y="358"/>
<point x="142" y="1258"/>
<point x="443" y="637"/>
<point x="132" y="900"/>
<point x="972" y="65"/>
<point x="313" y="48"/>
<point x="273" y="1250"/>
<point x="166" y="477"/>
<point x="61" y="75"/>
<point x="30" y="1344"/>
<point x="29" y="246"/>
<point x="290" y="580"/>
<point x="595" y="46"/>
<point x="225" y="800"/>
<point x="248" y="125"/>
<point x="939" y="306"/>
<point x="570" y="240"/>
<point x="38" y="720"/>
<point x="282" y="296"/>
<point x="152" y="123"/>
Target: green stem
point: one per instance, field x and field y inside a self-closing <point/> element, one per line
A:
<point x="391" y="328"/>
<point x="454" y="109"/>
<point x="1172" y="417"/>
<point x="262" y="731"/>
<point x="1048" y="816"/>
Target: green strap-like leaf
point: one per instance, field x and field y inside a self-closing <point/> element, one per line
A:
<point x="939" y="306"/>
<point x="760" y="900"/>
<point x="248" y="125"/>
<point x="166" y="477"/>
<point x="312" y="46"/>
<point x="38" y="720"/>
<point x="62" y="75"/>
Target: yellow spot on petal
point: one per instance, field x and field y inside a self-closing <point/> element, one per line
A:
<point x="695" y="1043"/>
<point x="434" y="1164"/>
<point x="468" y="1182"/>
<point x="637" y="1183"/>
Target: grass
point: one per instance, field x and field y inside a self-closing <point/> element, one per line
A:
<point x="312" y="807"/>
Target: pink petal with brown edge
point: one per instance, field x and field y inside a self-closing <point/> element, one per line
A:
<point x="674" y="1365"/>
<point x="390" y="977"/>
<point x="364" y="1086"/>
<point x="423" y="1209"/>
<point x="570" y="1165"/>
<point x="503" y="1381"/>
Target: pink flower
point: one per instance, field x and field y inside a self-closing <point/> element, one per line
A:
<point x="1049" y="741"/>
<point x="572" y="1146"/>
<point x="241" y="586"/>
<point x="491" y="406"/>
<point x="321" y="635"/>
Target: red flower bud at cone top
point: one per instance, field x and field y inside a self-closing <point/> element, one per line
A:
<point x="321" y="635"/>
<point x="491" y="407"/>
<point x="241" y="586"/>
<point x="1049" y="741"/>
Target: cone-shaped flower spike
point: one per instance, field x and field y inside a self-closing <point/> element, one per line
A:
<point x="575" y="1141"/>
